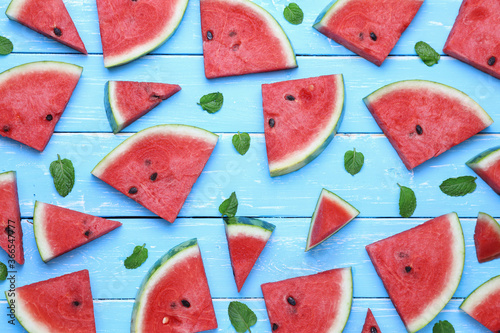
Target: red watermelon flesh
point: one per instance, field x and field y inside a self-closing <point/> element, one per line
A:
<point x="474" y="38"/>
<point x="11" y="232"/>
<point x="59" y="230"/>
<point x="370" y="325"/>
<point x="487" y="238"/>
<point x="58" y="305"/>
<point x="48" y="17"/>
<point x="318" y="303"/>
<point x="240" y="37"/>
<point x="423" y="119"/>
<point x="483" y="304"/>
<point x="487" y="166"/>
<point x="366" y="27"/>
<point x="420" y="273"/>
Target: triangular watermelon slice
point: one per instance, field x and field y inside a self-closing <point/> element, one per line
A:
<point x="174" y="295"/>
<point x="423" y="119"/>
<point x="127" y="101"/>
<point x="483" y="304"/>
<point x="419" y="272"/>
<point x="158" y="166"/>
<point x="59" y="230"/>
<point x="246" y="238"/>
<point x="58" y="305"/>
<point x="313" y="303"/>
<point x="366" y="27"/>
<point x="370" y="325"/>
<point x="240" y="37"/>
<point x="487" y="238"/>
<point x="332" y="213"/>
<point x="48" y="17"/>
<point x="300" y="119"/>
<point x="131" y="29"/>
<point x="36" y="94"/>
<point x="487" y="166"/>
<point x="11" y="232"/>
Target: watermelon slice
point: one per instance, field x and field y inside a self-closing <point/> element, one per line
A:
<point x="332" y="213"/>
<point x="246" y="239"/>
<point x="127" y="101"/>
<point x="318" y="303"/>
<point x="483" y="304"/>
<point x="36" y="94"/>
<point x="58" y="305"/>
<point x="370" y="325"/>
<point x="174" y="295"/>
<point x="240" y="37"/>
<point x="366" y="27"/>
<point x="158" y="166"/>
<point x="11" y="236"/>
<point x="420" y="273"/>
<point x="423" y="119"/>
<point x="474" y="38"/>
<point x="59" y="230"/>
<point x="300" y="119"/>
<point x="487" y="238"/>
<point x="131" y="29"/>
<point x="487" y="166"/>
<point x="48" y="17"/>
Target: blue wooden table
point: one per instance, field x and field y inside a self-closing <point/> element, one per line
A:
<point x="83" y="135"/>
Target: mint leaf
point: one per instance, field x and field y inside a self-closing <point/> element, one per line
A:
<point x="3" y="272"/>
<point x="428" y="55"/>
<point x="241" y="316"/>
<point x="212" y="102"/>
<point x="229" y="206"/>
<point x="6" y="46"/>
<point x="443" y="326"/>
<point x="241" y="142"/>
<point x="407" y="201"/>
<point x="293" y="14"/>
<point x="137" y="258"/>
<point x="353" y="161"/>
<point x="458" y="187"/>
<point x="64" y="175"/>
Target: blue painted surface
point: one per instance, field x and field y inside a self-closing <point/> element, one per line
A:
<point x="83" y="134"/>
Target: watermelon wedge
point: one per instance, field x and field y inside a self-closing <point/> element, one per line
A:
<point x="369" y="28"/>
<point x="174" y="295"/>
<point x="487" y="166"/>
<point x="36" y="94"/>
<point x="246" y="238"/>
<point x="58" y="305"/>
<point x="11" y="237"/>
<point x="474" y="38"/>
<point x="127" y="101"/>
<point x="240" y="37"/>
<point x="158" y="166"/>
<point x="318" y="303"/>
<point x="300" y="119"/>
<point x="59" y="230"/>
<point x="370" y="325"/>
<point x="423" y="119"/>
<point x="48" y="17"/>
<point x="483" y="304"/>
<point x="487" y="238"/>
<point x="332" y="213"/>
<point x="419" y="273"/>
<point x="131" y="29"/>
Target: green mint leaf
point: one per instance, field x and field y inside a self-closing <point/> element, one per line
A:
<point x="241" y="316"/>
<point x="212" y="102"/>
<point x="3" y="272"/>
<point x="229" y="206"/>
<point x="443" y="326"/>
<point x="293" y="14"/>
<point x="6" y="46"/>
<point x="428" y="55"/>
<point x="353" y="161"/>
<point x="241" y="142"/>
<point x="458" y="187"/>
<point x="64" y="175"/>
<point x="137" y="258"/>
<point x="407" y="201"/>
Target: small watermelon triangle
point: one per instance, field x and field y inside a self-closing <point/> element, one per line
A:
<point x="487" y="238"/>
<point x="41" y="306"/>
<point x="11" y="232"/>
<point x="483" y="304"/>
<point x="370" y="325"/>
<point x="246" y="238"/>
<point x="59" y="230"/>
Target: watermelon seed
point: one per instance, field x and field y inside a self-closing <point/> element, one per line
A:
<point x="133" y="190"/>
<point x="76" y="303"/>
<point x="185" y="303"/>
<point x="236" y="47"/>
<point x="408" y="269"/>
<point x="6" y="128"/>
<point x="153" y="176"/>
<point x="373" y="36"/>
<point x="361" y="36"/>
<point x="87" y="233"/>
<point x="271" y="123"/>
<point x="491" y="61"/>
<point x="290" y="98"/>
<point x="373" y="329"/>
<point x="165" y="320"/>
<point x="232" y="34"/>
<point x="291" y="301"/>
<point x="49" y="117"/>
<point x="57" y="32"/>
<point x="275" y="327"/>
<point x="9" y="231"/>
<point x="210" y="35"/>
<point x="419" y="130"/>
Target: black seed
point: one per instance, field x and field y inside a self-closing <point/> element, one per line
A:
<point x="491" y="61"/>
<point x="291" y="301"/>
<point x="57" y="32"/>
<point x="419" y="129"/>
<point x="236" y="47"/>
<point x="232" y="34"/>
<point x="210" y="35"/>
<point x="408" y="269"/>
<point x="373" y="329"/>
<point x="290" y="98"/>
<point x="185" y="303"/>
<point x="9" y="230"/>
<point x="373" y="36"/>
<point x="271" y="123"/>
<point x="87" y="233"/>
<point x="49" y="117"/>
<point x="6" y="128"/>
<point x="133" y="190"/>
<point x="275" y="327"/>
<point x="76" y="303"/>
<point x="153" y="176"/>
<point x="155" y="96"/>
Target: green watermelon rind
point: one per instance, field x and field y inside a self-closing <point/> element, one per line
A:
<point x="327" y="12"/>
<point x="8" y="176"/>
<point x="479" y="294"/>
<point x="250" y="222"/>
<point x="40" y="237"/>
<point x="116" y="124"/>
<point x="485" y="159"/>
<point x="58" y="66"/>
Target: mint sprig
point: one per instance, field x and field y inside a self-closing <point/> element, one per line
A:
<point x="137" y="258"/>
<point x="63" y="173"/>
<point x="229" y="206"/>
<point x="6" y="46"/>
<point x="428" y="55"/>
<point x="353" y="161"/>
<point x="211" y="102"/>
<point x="241" y="142"/>
<point x="3" y="272"/>
<point x="458" y="187"/>
<point x="443" y="326"/>
<point x="241" y="317"/>
<point x="407" y="201"/>
<point x="293" y="14"/>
